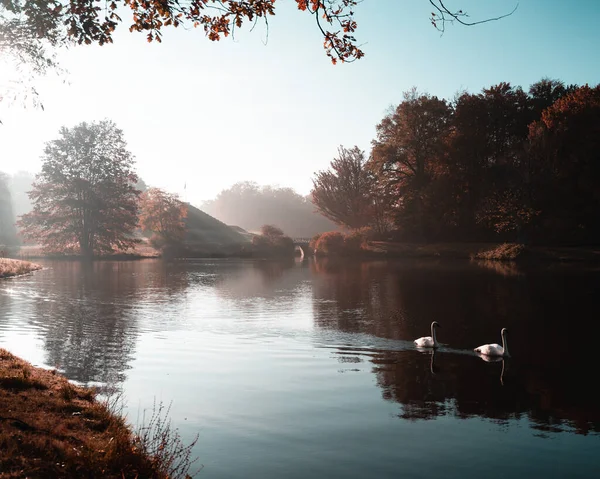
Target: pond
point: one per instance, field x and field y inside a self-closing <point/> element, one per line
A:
<point x="308" y="369"/>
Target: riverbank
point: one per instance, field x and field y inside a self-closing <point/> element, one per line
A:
<point x="483" y="251"/>
<point x="377" y="250"/>
<point x="142" y="251"/>
<point x="15" y="267"/>
<point x="51" y="428"/>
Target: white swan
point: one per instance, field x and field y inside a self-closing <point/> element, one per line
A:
<point x="429" y="341"/>
<point x="495" y="349"/>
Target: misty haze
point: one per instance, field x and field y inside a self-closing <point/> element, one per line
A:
<point x="305" y="239"/>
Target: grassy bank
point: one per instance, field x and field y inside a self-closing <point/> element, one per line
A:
<point x="15" y="267"/>
<point x="483" y="251"/>
<point x="51" y="428"/>
<point x="141" y="251"/>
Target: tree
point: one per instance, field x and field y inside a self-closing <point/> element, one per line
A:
<point x="8" y="233"/>
<point x="84" y="21"/>
<point x="271" y="232"/>
<point x="84" y="199"/>
<point x="543" y="94"/>
<point x="164" y="214"/>
<point x="19" y="184"/>
<point x="273" y="242"/>
<point x="27" y="44"/>
<point x="249" y="205"/>
<point x="343" y="193"/>
<point x="407" y="156"/>
<point x="442" y="15"/>
<point x="486" y="152"/>
<point x="30" y="29"/>
<point x="563" y="149"/>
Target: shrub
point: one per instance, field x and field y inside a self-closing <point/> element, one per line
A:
<point x="355" y="241"/>
<point x="503" y="252"/>
<point x="313" y="242"/>
<point x="330" y="243"/>
<point x="272" y="242"/>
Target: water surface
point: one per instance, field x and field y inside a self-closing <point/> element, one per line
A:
<point x="308" y="369"/>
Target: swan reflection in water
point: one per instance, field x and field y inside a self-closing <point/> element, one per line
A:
<point x="495" y="359"/>
<point x="432" y="366"/>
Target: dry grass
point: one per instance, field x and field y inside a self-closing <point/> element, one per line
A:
<point x="503" y="252"/>
<point x="141" y="250"/>
<point x="491" y="252"/>
<point x="51" y="428"/>
<point x="428" y="250"/>
<point x="15" y="267"/>
<point x="163" y="443"/>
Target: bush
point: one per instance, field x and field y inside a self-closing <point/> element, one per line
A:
<point x="330" y="243"/>
<point x="313" y="242"/>
<point x="272" y="242"/>
<point x="503" y="252"/>
<point x="355" y="241"/>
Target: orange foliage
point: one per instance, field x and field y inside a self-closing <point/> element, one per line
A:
<point x="330" y="243"/>
<point x="85" y="22"/>
<point x="163" y="214"/>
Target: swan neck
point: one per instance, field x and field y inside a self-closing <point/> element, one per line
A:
<point x="433" y="335"/>
<point x="504" y="345"/>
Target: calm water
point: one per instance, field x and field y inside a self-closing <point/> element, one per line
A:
<point x="308" y="370"/>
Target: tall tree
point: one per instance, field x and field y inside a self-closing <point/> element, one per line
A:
<point x="486" y="151"/>
<point x="407" y="155"/>
<point x="84" y="198"/>
<point x="565" y="163"/>
<point x="19" y="184"/>
<point x="164" y="214"/>
<point x="8" y="232"/>
<point x="343" y="193"/>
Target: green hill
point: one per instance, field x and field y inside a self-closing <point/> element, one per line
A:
<point x="208" y="235"/>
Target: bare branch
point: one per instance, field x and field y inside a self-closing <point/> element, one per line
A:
<point x="443" y="15"/>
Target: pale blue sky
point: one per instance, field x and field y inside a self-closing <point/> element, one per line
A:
<point x="211" y="114"/>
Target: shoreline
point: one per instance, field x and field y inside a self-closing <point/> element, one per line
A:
<point x="11" y="268"/>
<point x="493" y="252"/>
<point x="52" y="428"/>
<point x="501" y="252"/>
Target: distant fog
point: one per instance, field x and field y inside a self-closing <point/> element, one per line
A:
<point x="250" y="206"/>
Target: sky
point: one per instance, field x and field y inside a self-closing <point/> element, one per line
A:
<point x="200" y="116"/>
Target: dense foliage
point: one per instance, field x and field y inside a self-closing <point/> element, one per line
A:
<point x="273" y="242"/>
<point x="164" y="215"/>
<point x="84" y="199"/>
<point x="502" y="164"/>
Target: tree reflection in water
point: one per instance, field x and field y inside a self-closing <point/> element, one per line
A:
<point x="547" y="380"/>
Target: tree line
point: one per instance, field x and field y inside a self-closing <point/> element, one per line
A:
<point x="250" y="206"/>
<point x="499" y="165"/>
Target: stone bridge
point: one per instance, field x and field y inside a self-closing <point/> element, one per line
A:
<point x="302" y="246"/>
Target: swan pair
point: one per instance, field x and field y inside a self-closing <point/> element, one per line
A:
<point x="487" y="349"/>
